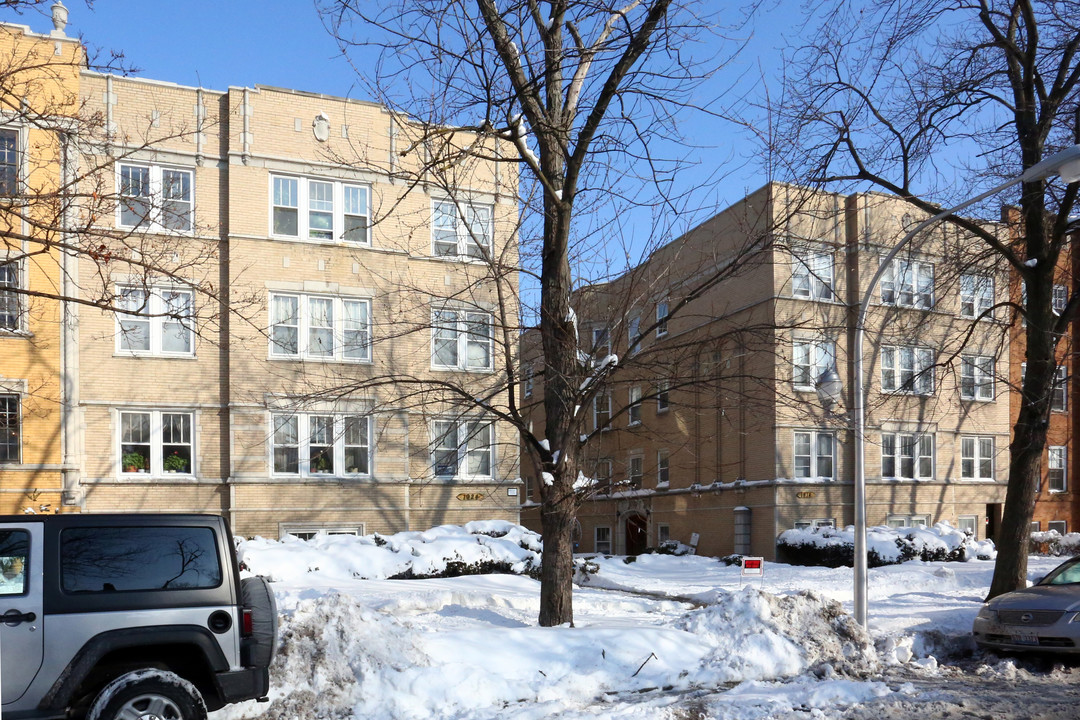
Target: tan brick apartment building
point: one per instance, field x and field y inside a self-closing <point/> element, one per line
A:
<point x="749" y="451"/>
<point x="304" y="263"/>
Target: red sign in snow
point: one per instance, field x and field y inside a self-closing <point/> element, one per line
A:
<point x="753" y="566"/>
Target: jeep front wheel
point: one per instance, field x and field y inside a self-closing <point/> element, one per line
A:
<point x="148" y="695"/>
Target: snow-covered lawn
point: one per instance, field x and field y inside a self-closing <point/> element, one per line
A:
<point x="650" y="636"/>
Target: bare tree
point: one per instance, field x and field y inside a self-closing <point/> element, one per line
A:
<point x="580" y="97"/>
<point x="934" y="100"/>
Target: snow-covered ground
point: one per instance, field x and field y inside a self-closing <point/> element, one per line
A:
<point x="659" y="637"/>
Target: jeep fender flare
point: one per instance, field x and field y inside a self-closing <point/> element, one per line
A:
<point x="89" y="655"/>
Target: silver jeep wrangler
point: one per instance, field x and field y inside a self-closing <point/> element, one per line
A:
<point x="107" y="617"/>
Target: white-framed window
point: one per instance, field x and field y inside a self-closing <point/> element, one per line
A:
<point x="602" y="540"/>
<point x="1056" y="469"/>
<point x="663" y="396"/>
<point x="320" y="327"/>
<point x="809" y="359"/>
<point x="529" y="381"/>
<point x="634" y="408"/>
<point x="10" y="429"/>
<point x="661" y="318"/>
<point x="977" y="458"/>
<point x="1034" y="526"/>
<point x="663" y="533"/>
<point x="461" y="229"/>
<point x="908" y="283"/>
<point x="814" y="523"/>
<point x="319" y="209"/>
<point x="663" y="468"/>
<point x="815" y="454"/>
<point x="1059" y="399"/>
<point x="463" y="449"/>
<point x="310" y="532"/>
<point x="602" y="410"/>
<point x="907" y="456"/>
<point x="9" y="162"/>
<point x="1058" y="526"/>
<point x="976" y="295"/>
<point x="635" y="471"/>
<point x="1059" y="393"/>
<point x="633" y="335"/>
<point x="155" y="198"/>
<point x="907" y="369"/>
<point x="604" y="471"/>
<point x="812" y="275"/>
<point x="908" y="521"/>
<point x="11" y="301"/>
<point x="1059" y="298"/>
<point x="155" y="321"/>
<point x="601" y="343"/>
<point x="321" y="444"/>
<point x="156" y="442"/>
<point x="969" y="524"/>
<point x="461" y="339"/>
<point x="976" y="377"/>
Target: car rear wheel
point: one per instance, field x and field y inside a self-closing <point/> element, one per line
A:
<point x="148" y="695"/>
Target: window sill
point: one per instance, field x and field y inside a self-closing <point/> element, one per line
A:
<point x="633" y="424"/>
<point x="827" y="301"/>
<point x="477" y="371"/>
<point x="662" y="411"/>
<point x="319" y="477"/>
<point x="321" y="361"/>
<point x="456" y="259"/>
<point x="977" y="400"/>
<point x="16" y="334"/>
<point x="159" y="356"/>
<point x="155" y="230"/>
<point x="318" y="241"/>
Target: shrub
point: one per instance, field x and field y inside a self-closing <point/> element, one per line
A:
<point x="832" y="547"/>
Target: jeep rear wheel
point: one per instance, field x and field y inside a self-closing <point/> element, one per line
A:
<point x="148" y="695"/>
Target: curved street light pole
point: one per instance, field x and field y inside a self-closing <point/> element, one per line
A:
<point x="1066" y="164"/>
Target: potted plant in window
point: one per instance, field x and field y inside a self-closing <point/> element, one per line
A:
<point x="320" y="464"/>
<point x="175" y="464"/>
<point x="133" y="462"/>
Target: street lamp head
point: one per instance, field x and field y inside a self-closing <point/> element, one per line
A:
<point x="829" y="387"/>
<point x="1065" y="164"/>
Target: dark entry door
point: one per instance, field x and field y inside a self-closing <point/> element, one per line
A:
<point x="993" y="519"/>
<point x="637" y="534"/>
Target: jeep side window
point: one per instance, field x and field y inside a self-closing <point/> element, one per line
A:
<point x="119" y="559"/>
<point x="14" y="557"/>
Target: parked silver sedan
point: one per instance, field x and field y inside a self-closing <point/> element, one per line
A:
<point x="1045" y="617"/>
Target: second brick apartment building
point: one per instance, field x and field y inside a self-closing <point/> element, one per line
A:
<point x="713" y="433"/>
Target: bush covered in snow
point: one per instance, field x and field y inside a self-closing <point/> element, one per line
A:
<point x="833" y="547"/>
<point x="1051" y="542"/>
<point x="478" y="548"/>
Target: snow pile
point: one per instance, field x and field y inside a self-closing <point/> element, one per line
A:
<point x="341" y="658"/>
<point x="833" y="547"/>
<point x="445" y="551"/>
<point x="757" y="636"/>
<point x="1051" y="542"/>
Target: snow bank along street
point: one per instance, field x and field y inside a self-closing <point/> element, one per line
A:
<point x="660" y="636"/>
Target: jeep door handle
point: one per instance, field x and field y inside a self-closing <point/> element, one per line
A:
<point x="13" y="617"/>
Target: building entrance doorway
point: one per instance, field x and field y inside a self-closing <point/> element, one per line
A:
<point x="637" y="534"/>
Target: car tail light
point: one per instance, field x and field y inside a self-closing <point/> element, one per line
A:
<point x="247" y="622"/>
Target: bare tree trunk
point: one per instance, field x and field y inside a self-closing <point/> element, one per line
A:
<point x="557" y="575"/>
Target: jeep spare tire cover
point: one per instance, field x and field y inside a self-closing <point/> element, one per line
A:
<point x="259" y="598"/>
